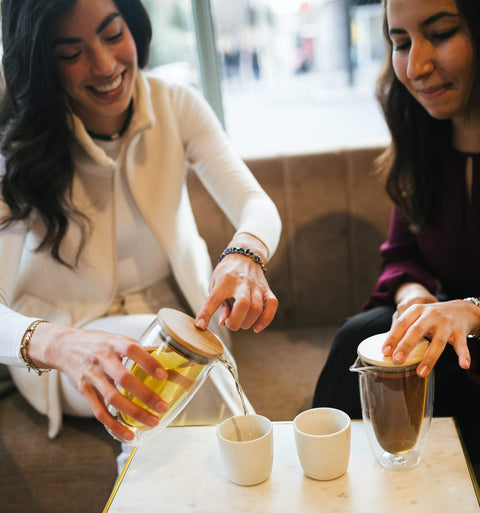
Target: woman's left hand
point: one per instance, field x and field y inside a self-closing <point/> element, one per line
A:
<point x="443" y="323"/>
<point x="240" y="291"/>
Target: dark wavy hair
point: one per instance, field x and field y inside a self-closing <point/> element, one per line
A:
<point x="415" y="162"/>
<point x="34" y="130"/>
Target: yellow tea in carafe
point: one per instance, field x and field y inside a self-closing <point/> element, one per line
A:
<point x="182" y="375"/>
<point x="186" y="353"/>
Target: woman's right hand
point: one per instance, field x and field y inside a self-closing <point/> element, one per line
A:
<point x="420" y="315"/>
<point x="92" y="360"/>
<point x="442" y="323"/>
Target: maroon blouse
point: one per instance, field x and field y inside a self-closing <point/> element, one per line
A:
<point x="444" y="257"/>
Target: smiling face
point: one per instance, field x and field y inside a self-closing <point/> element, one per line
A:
<point x="432" y="54"/>
<point x="96" y="61"/>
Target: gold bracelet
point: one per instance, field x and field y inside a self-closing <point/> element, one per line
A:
<point x="25" y="345"/>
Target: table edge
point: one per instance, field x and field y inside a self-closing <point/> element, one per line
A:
<point x="471" y="470"/>
<point x="119" y="480"/>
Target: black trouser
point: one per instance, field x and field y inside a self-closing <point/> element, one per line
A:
<point x="455" y="394"/>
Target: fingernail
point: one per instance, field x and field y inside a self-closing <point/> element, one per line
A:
<point x="201" y="324"/>
<point x="152" y="421"/>
<point x="423" y="371"/>
<point x="161" y="373"/>
<point x="161" y="407"/>
<point x="387" y="349"/>
<point x="467" y="362"/>
<point x="258" y="328"/>
<point x="399" y="356"/>
<point x="129" y="436"/>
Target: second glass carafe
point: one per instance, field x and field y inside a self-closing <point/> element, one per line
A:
<point x="397" y="404"/>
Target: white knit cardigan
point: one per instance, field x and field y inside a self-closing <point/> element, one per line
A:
<point x="172" y="128"/>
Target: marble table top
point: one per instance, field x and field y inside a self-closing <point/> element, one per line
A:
<point x="180" y="471"/>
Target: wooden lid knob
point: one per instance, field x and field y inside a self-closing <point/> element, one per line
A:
<point x="181" y="327"/>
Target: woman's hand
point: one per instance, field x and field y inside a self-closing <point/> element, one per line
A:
<point x="92" y="360"/>
<point x="240" y="291"/>
<point x="409" y="294"/>
<point x="443" y="323"/>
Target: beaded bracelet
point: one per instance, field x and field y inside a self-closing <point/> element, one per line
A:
<point x="25" y="345"/>
<point x="242" y="251"/>
<point x="476" y="302"/>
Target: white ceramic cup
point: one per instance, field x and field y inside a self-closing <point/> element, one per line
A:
<point x="246" y="448"/>
<point x="322" y="437"/>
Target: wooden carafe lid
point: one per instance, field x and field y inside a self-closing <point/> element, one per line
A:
<point x="370" y="351"/>
<point x="181" y="327"/>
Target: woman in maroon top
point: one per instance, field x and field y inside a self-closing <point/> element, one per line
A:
<point x="429" y="90"/>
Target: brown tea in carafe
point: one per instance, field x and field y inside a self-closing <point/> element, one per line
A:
<point x="396" y="402"/>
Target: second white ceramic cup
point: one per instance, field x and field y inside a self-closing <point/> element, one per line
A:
<point x="246" y="448"/>
<point x="322" y="437"/>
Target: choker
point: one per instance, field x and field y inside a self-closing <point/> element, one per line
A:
<point x="114" y="137"/>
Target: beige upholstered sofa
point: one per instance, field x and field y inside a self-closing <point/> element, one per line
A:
<point x="335" y="214"/>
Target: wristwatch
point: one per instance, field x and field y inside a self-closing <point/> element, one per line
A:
<point x="476" y="302"/>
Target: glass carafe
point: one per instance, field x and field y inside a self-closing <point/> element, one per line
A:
<point x="186" y="353"/>
<point x="397" y="404"/>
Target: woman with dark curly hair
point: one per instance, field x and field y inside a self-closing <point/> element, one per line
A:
<point x="97" y="231"/>
<point x="429" y="90"/>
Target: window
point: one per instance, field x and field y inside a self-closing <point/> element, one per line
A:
<point x="285" y="76"/>
<point x="173" y="49"/>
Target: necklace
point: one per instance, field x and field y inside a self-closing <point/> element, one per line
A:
<point x="114" y="137"/>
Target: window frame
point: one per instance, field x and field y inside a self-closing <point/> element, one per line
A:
<point x="208" y="60"/>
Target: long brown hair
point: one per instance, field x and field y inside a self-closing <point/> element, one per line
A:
<point x="415" y="162"/>
<point x="34" y="131"/>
